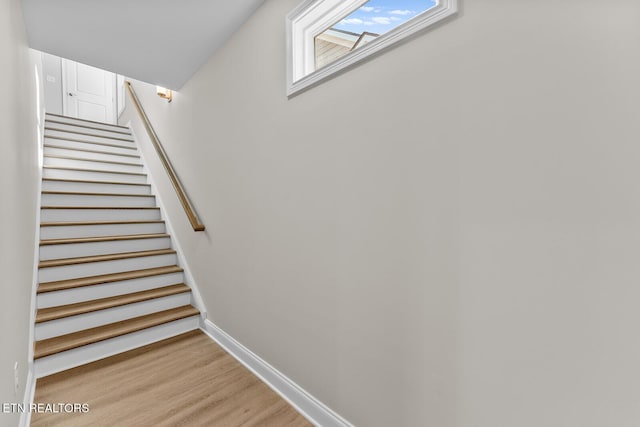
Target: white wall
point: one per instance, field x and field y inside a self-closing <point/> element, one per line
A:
<point x="52" y="75"/>
<point x="446" y="235"/>
<point x="19" y="178"/>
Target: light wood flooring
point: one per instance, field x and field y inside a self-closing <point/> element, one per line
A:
<point x="187" y="380"/>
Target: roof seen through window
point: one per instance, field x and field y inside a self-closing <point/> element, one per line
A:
<point x="365" y="24"/>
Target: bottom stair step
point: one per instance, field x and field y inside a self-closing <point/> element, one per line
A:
<point x="90" y="353"/>
<point x="74" y="340"/>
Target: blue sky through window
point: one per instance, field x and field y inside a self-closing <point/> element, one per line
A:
<point x="380" y="16"/>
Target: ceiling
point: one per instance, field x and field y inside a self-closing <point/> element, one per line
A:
<point x="163" y="42"/>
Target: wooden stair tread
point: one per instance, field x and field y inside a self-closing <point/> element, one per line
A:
<point x="69" y="168"/>
<point x="82" y="193"/>
<point x="87" y="134"/>
<point x="58" y="122"/>
<point x="88" y="150"/>
<point x="111" y="162"/>
<point x="85" y="120"/>
<point x="59" y="312"/>
<point x="100" y="207"/>
<point x="102" y="239"/>
<point x="66" y="342"/>
<point x="82" y="181"/>
<point x="99" y="258"/>
<point x="88" y="223"/>
<point x="61" y="285"/>
<point x="106" y="144"/>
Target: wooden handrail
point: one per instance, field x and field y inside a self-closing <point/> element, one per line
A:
<point x="177" y="185"/>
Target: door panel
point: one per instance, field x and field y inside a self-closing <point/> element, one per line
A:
<point x="90" y="111"/>
<point x="89" y="92"/>
<point x="91" y="81"/>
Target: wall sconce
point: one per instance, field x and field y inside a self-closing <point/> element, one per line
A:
<point x="164" y="93"/>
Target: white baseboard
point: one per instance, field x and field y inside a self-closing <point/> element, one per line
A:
<point x="29" y="392"/>
<point x="310" y="407"/>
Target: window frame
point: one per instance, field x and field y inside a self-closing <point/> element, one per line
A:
<point x="313" y="17"/>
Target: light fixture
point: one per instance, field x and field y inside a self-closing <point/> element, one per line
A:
<point x="164" y="93"/>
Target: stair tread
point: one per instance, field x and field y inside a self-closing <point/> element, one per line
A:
<point x="83" y="223"/>
<point x="100" y="258"/>
<point x="115" y="138"/>
<point x="50" y="346"/>
<point x="86" y="120"/>
<point x="58" y="122"/>
<point x="60" y="312"/>
<point x="83" y="193"/>
<point x="48" y="242"/>
<point x="88" y="150"/>
<point x="61" y="285"/>
<point x="69" y="168"/>
<point x="100" y="207"/>
<point x="84" y="141"/>
<point x="84" y="159"/>
<point x="82" y="181"/>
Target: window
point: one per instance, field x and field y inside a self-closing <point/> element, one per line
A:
<point x="328" y="36"/>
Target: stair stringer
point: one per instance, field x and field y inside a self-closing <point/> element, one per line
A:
<point x="30" y="385"/>
<point x="198" y="301"/>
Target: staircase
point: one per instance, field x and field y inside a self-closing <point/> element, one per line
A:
<point x="109" y="280"/>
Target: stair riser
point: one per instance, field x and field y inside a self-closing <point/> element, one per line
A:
<point x="70" y="120"/>
<point x="75" y="250"/>
<point x="85" y="187"/>
<point x="52" y="274"/>
<point x="105" y="290"/>
<point x="77" y="323"/>
<point x="88" y="146"/>
<point x="93" y="176"/>
<point x="87" y="164"/>
<point x="90" y="200"/>
<point x="55" y="215"/>
<point x="88" y="155"/>
<point x="89" y="353"/>
<point x="71" y="231"/>
<point x="96" y="132"/>
<point x="85" y="138"/>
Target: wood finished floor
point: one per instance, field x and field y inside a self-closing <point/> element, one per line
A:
<point x="187" y="380"/>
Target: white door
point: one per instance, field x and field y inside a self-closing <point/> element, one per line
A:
<point x="89" y="93"/>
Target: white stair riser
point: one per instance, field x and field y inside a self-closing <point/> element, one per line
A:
<point x="52" y="274"/>
<point x="75" y="250"/>
<point x="88" y="146"/>
<point x="89" y="353"/>
<point x="71" y="120"/>
<point x="108" y="133"/>
<point x="93" y="176"/>
<point x="89" y="155"/>
<point x="88" y="164"/>
<point x="91" y="200"/>
<point x="87" y="187"/>
<point x="105" y="290"/>
<point x="71" y="231"/>
<point x="55" y="215"/>
<point x="85" y="138"/>
<point x="77" y="323"/>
